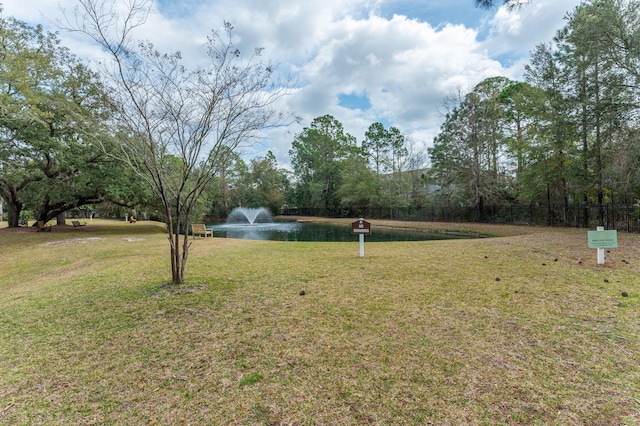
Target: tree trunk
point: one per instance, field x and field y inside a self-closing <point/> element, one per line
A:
<point x="480" y="211"/>
<point x="598" y="147"/>
<point x="173" y="248"/>
<point x="549" y="209"/>
<point x="177" y="273"/>
<point x="13" y="211"/>
<point x="585" y="210"/>
<point x="185" y="248"/>
<point x="173" y="231"/>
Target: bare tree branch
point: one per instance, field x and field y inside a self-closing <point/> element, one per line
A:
<point x="178" y="126"/>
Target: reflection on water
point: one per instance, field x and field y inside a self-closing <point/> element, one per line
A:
<point x="275" y="231"/>
<point x="295" y="231"/>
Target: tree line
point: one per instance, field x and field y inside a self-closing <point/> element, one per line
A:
<point x="568" y="135"/>
<point x="565" y="137"/>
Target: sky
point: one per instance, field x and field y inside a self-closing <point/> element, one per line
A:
<point x="361" y="61"/>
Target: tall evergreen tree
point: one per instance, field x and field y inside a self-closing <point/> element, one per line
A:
<point x="466" y="155"/>
<point x="598" y="89"/>
<point x="318" y="156"/>
<point x="553" y="150"/>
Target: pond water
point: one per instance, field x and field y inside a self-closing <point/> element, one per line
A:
<point x="296" y="231"/>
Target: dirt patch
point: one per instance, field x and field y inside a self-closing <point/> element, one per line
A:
<point x="72" y="241"/>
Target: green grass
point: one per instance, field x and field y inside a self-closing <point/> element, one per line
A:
<point x="521" y="329"/>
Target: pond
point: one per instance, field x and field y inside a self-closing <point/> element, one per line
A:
<point x="296" y="231"/>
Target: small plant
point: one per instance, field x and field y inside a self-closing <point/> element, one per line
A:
<point x="250" y="379"/>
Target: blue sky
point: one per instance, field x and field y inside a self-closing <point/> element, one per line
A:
<point x="437" y="12"/>
<point x="362" y="61"/>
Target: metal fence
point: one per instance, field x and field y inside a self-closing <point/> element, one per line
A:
<point x="619" y="217"/>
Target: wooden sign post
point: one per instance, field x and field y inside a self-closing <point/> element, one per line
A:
<point x="361" y="227"/>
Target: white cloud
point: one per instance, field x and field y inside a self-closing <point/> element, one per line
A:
<point x="521" y="30"/>
<point x="404" y="65"/>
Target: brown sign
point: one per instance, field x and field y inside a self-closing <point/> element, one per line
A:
<point x="361" y="227"/>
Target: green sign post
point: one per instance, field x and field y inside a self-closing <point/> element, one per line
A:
<point x="601" y="240"/>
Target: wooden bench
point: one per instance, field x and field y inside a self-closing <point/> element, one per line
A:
<point x="43" y="226"/>
<point x="77" y="223"/>
<point x="200" y="229"/>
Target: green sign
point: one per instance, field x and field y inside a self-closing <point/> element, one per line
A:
<point x="603" y="239"/>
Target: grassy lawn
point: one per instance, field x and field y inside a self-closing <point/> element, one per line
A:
<point x="524" y="329"/>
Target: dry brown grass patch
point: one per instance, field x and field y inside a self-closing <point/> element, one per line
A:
<point x="414" y="333"/>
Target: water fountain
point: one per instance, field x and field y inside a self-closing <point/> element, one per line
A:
<point x="249" y="215"/>
<point x="254" y="224"/>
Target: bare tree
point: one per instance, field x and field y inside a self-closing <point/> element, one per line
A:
<point x="177" y="126"/>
